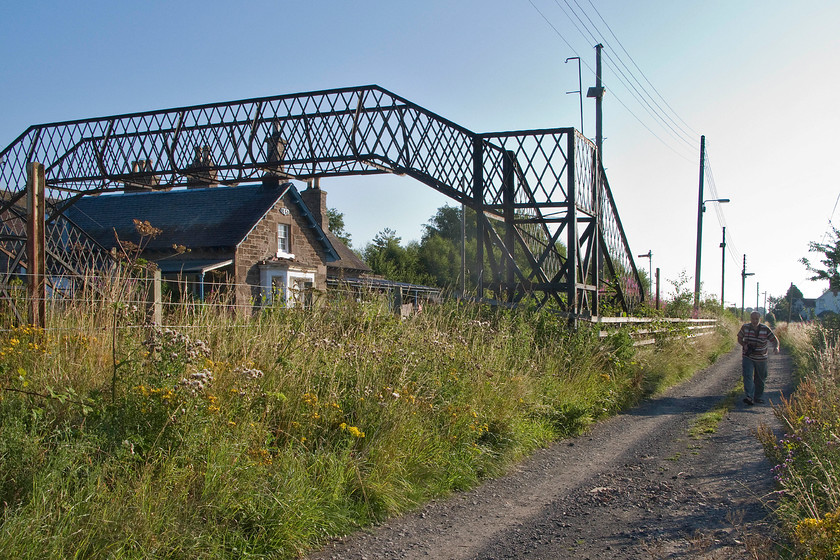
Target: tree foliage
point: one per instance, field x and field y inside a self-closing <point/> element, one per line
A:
<point x="337" y="227"/>
<point x="829" y="262"/>
<point x="437" y="259"/>
<point x="388" y="258"/>
<point x="785" y="308"/>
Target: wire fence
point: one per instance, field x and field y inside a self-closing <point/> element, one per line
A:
<point x="124" y="301"/>
<point x="173" y="302"/>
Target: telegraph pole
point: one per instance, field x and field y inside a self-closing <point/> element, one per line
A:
<point x="598" y="93"/>
<point x="722" y="266"/>
<point x="744" y="275"/>
<point x="699" y="227"/>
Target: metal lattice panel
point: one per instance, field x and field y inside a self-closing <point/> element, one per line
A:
<point x="541" y="190"/>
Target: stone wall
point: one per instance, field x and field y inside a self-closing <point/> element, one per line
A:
<point x="261" y="244"/>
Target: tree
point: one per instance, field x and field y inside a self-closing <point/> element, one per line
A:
<point x="785" y="308"/>
<point x="830" y="261"/>
<point x="446" y="223"/>
<point x="388" y="258"/>
<point x="336" y="225"/>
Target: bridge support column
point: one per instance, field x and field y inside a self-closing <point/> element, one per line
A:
<point x="478" y="199"/>
<point x="510" y="214"/>
<point x="572" y="255"/>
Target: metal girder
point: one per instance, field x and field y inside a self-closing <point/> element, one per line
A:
<point x="560" y="240"/>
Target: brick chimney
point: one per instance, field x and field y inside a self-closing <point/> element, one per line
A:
<point x="316" y="200"/>
<point x="202" y="177"/>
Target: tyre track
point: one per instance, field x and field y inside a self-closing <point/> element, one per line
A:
<point x="634" y="486"/>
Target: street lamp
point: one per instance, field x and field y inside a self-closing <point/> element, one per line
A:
<point x="579" y="90"/>
<point x="701" y="208"/>
<point x="649" y="257"/>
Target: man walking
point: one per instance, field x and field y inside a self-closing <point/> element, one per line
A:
<point x="753" y="338"/>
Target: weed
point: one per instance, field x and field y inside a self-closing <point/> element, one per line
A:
<point x="254" y="437"/>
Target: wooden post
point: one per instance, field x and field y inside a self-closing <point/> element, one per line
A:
<point x="35" y="244"/>
<point x="154" y="303"/>
<point x="657" y="288"/>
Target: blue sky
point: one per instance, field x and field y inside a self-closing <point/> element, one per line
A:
<point x="755" y="77"/>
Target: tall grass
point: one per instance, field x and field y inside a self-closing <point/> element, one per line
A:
<point x="233" y="437"/>
<point x="807" y="457"/>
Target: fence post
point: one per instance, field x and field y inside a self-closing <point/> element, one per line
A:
<point x="154" y="299"/>
<point x="35" y="241"/>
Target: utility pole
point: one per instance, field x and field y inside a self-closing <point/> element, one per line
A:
<point x="657" y="288"/>
<point x="598" y="93"/>
<point x="649" y="257"/>
<point x="699" y="227"/>
<point x="722" y="266"/>
<point x="744" y="275"/>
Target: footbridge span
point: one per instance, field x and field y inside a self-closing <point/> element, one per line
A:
<point x="548" y="228"/>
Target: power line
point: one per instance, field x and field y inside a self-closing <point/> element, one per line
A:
<point x="694" y="132"/>
<point x="616" y="96"/>
<point x="615" y="63"/>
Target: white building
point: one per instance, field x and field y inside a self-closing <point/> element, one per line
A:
<point x="829" y="301"/>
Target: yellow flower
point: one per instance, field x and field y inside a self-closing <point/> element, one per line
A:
<point x="355" y="432"/>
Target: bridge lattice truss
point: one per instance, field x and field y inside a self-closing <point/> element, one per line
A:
<point x="547" y="222"/>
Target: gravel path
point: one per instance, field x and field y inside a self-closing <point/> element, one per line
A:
<point x="634" y="486"/>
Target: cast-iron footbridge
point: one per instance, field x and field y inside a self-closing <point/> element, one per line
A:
<point x="548" y="229"/>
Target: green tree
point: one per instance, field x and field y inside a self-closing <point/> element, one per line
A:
<point x="829" y="263"/>
<point x="785" y="308"/>
<point x="441" y="245"/>
<point x="388" y="258"/>
<point x="337" y="227"/>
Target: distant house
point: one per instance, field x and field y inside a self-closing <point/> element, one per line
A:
<point x="261" y="242"/>
<point x="828" y="302"/>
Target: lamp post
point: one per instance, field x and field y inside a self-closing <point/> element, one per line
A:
<point x="579" y="90"/>
<point x="649" y="257"/>
<point x="701" y="208"/>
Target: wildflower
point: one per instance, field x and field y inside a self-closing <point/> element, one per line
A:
<point x="197" y="382"/>
<point x="248" y="373"/>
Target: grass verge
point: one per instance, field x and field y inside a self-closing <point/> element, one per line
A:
<point x="807" y="457"/>
<point x="260" y="438"/>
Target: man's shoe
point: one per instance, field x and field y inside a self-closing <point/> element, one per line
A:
<point x="748" y="401"/>
<point x="759" y="401"/>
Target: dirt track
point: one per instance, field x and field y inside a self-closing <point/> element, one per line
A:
<point x="635" y="486"/>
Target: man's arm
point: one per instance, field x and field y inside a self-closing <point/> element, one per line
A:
<point x="776" y="344"/>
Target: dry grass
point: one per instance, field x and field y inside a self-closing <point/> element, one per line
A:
<point x="233" y="437"/>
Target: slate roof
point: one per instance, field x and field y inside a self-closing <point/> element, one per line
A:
<point x="209" y="218"/>
<point x="212" y="218"/>
<point x="348" y="260"/>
